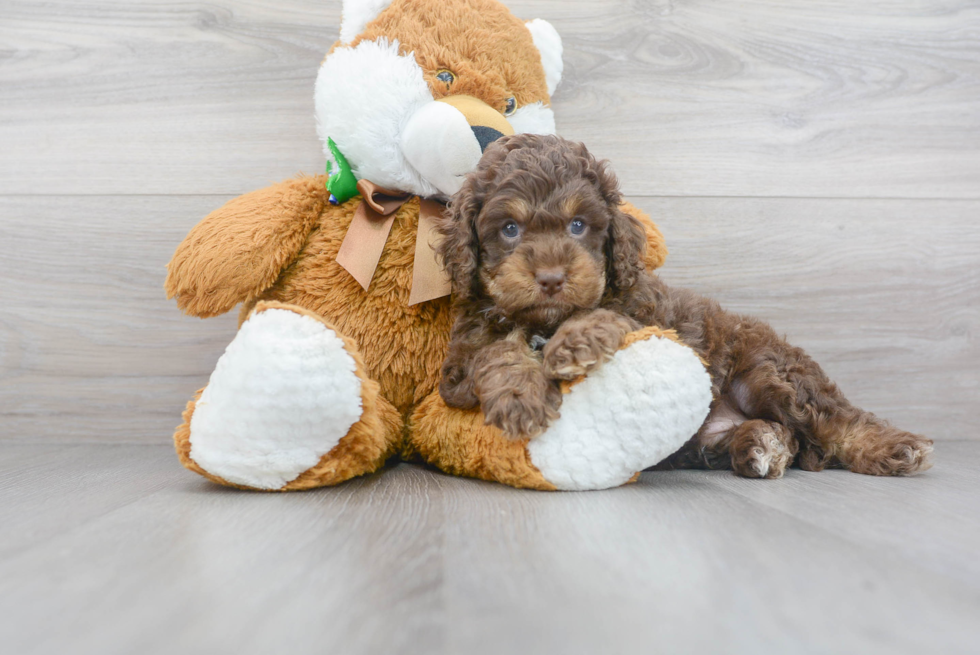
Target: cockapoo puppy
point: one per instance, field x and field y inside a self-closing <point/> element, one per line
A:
<point x="548" y="278"/>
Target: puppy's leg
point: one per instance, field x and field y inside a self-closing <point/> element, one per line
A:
<point x="775" y="381"/>
<point x="761" y="449"/>
<point x="585" y="342"/>
<point x="709" y="448"/>
<point x="864" y="443"/>
<point x="515" y="394"/>
<point x="753" y="448"/>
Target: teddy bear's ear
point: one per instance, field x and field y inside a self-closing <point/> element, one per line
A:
<point x="357" y="14"/>
<point x="548" y="43"/>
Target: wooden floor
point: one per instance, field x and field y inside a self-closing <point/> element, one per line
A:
<point x="812" y="163"/>
<point x="110" y="549"/>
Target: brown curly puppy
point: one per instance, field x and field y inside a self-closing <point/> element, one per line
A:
<point x="541" y="255"/>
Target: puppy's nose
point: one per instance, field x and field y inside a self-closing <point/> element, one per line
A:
<point x="551" y="280"/>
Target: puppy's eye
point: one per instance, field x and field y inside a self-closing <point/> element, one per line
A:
<point x="446" y="76"/>
<point x="577" y="227"/>
<point x="510" y="230"/>
<point x="511" y="106"/>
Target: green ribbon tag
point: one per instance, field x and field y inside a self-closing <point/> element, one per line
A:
<point x="342" y="185"/>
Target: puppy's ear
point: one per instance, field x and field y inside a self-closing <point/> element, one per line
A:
<point x="459" y="248"/>
<point x="626" y="241"/>
<point x="625" y="247"/>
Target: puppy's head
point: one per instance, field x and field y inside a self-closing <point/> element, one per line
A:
<point x="537" y="229"/>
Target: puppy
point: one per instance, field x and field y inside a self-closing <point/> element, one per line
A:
<point x="539" y="252"/>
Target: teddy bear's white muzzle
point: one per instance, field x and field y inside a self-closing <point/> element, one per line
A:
<point x="439" y="142"/>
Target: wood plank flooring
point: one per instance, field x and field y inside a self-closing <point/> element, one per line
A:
<point x="757" y="98"/>
<point x="811" y="163"/>
<point x="886" y="301"/>
<point x="115" y="549"/>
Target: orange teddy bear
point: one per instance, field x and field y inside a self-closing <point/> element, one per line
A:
<point x="345" y="315"/>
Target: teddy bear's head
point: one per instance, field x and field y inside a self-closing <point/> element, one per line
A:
<point x="414" y="90"/>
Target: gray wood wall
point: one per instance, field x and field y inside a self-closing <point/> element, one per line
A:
<point x="815" y="163"/>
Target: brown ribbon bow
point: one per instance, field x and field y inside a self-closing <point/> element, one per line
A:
<point x="365" y="240"/>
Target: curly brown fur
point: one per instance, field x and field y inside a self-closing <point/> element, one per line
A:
<point x="532" y="242"/>
<point x="514" y="392"/>
<point x="584" y="342"/>
<point x="773" y="404"/>
<point x="761" y="449"/>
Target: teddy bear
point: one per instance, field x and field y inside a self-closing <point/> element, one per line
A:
<point x="345" y="313"/>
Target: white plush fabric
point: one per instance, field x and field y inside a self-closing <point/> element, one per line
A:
<point x="535" y="118"/>
<point x="364" y="98"/>
<point x="440" y="144"/>
<point x="548" y="42"/>
<point x="375" y="105"/>
<point x="282" y="395"/>
<point x="635" y="410"/>
<point x="356" y="14"/>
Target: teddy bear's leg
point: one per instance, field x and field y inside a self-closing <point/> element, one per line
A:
<point x="638" y="408"/>
<point x="460" y="443"/>
<point x="289" y="406"/>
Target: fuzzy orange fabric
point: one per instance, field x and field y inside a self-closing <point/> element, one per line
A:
<point x="279" y="245"/>
<point x="457" y="441"/>
<point x="454" y="36"/>
<point x="403" y="346"/>
<point x="656" y="252"/>
<point x="238" y="251"/>
<point x="366" y="446"/>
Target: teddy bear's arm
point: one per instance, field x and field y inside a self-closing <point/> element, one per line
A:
<point x="656" y="248"/>
<point x="239" y="250"/>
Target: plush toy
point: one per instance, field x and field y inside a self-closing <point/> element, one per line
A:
<point x="345" y="311"/>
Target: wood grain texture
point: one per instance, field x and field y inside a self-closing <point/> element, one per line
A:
<point x="152" y="559"/>
<point x="90" y="348"/>
<point x="755" y="98"/>
<point x="885" y="294"/>
<point x="765" y="137"/>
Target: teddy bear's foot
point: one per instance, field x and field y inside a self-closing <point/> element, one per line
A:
<point x="289" y="406"/>
<point x="638" y="408"/>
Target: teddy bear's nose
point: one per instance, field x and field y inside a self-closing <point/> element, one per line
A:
<point x="485" y="135"/>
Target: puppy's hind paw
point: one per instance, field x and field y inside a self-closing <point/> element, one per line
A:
<point x="888" y="451"/>
<point x="762" y="449"/>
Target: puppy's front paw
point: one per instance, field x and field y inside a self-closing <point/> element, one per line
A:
<point x="583" y="344"/>
<point x="456" y="387"/>
<point x="523" y="413"/>
<point x="515" y="394"/>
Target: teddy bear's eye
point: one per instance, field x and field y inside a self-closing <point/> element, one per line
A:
<point x="446" y="76"/>
<point x="511" y="106"/>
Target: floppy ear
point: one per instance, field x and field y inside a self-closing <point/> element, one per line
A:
<point x="626" y="242"/>
<point x="459" y="247"/>
<point x="625" y="247"/>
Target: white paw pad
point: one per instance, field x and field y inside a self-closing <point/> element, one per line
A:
<point x="282" y="395"/>
<point x="637" y="409"/>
